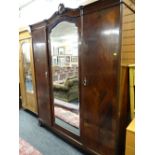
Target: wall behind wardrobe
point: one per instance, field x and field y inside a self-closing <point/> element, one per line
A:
<point x="33" y="11"/>
<point x="128" y="34"/>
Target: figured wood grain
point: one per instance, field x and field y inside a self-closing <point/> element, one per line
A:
<point x="39" y="38"/>
<point x="99" y="65"/>
<point x="104" y="99"/>
<point x="123" y="108"/>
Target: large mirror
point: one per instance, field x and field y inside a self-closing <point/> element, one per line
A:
<point x="65" y="75"/>
<point x="27" y="67"/>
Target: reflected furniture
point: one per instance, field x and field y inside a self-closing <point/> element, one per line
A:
<point x="66" y="90"/>
<point x="103" y="47"/>
<point x="61" y="73"/>
<point x="26" y="71"/>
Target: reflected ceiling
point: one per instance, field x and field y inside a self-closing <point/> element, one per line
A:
<point x="64" y="29"/>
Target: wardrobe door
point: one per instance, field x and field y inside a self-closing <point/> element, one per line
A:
<point x="99" y="75"/>
<point x="39" y="39"/>
<point x="64" y="40"/>
<point x="27" y="76"/>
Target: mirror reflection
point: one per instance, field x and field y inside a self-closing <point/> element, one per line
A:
<point x="65" y="66"/>
<point x="27" y="67"/>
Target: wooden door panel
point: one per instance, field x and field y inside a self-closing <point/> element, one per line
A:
<point x="41" y="71"/>
<point x="99" y="67"/>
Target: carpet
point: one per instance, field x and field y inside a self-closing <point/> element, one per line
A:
<point x="26" y="148"/>
<point x="67" y="116"/>
<point x="42" y="139"/>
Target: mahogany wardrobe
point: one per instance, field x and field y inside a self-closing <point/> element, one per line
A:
<point x="81" y="75"/>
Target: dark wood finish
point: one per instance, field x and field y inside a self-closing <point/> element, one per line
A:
<point x="39" y="38"/>
<point x="99" y="5"/>
<point x="100" y="64"/>
<point x="67" y="15"/>
<point x="123" y="109"/>
<point x="104" y="99"/>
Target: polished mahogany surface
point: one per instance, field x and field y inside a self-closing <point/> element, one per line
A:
<point x="102" y="81"/>
<point x="100" y="61"/>
<point x="123" y="109"/>
<point x="39" y="39"/>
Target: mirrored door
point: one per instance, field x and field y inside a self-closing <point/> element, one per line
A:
<point x="27" y="80"/>
<point x="65" y="76"/>
<point x="27" y="69"/>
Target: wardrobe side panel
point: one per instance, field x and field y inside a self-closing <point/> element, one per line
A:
<point x="39" y="40"/>
<point x="123" y="108"/>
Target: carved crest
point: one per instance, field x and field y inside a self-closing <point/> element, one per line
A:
<point x="61" y="8"/>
